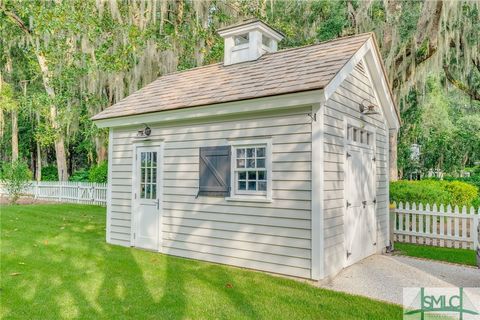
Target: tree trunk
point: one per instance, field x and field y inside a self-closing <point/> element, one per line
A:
<point x="14" y="135"/>
<point x="59" y="140"/>
<point x="42" y="61"/>
<point x="393" y="155"/>
<point x="1" y="124"/>
<point x="100" y="149"/>
<point x="38" y="164"/>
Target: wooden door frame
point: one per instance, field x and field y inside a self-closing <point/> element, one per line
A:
<point x="159" y="145"/>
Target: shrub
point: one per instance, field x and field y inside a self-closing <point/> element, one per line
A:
<point x="49" y="173"/>
<point x="432" y="191"/>
<point x="461" y="193"/>
<point x="425" y="191"/>
<point x="473" y="180"/>
<point x="476" y="203"/>
<point x="15" y="178"/>
<point x="80" y="176"/>
<point x="99" y="173"/>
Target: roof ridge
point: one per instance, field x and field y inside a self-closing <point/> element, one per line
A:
<point x="270" y="53"/>
<point x="323" y="42"/>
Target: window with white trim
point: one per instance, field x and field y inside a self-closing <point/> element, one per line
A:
<point x="250" y="169"/>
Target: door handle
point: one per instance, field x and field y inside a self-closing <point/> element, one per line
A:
<point x="364" y="202"/>
<point x="158" y="203"/>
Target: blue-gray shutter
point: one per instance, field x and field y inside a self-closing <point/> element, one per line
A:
<point x="214" y="179"/>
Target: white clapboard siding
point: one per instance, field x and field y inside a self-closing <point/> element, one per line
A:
<point x="342" y="104"/>
<point x="272" y="236"/>
<point x="436" y="225"/>
<point x="67" y="191"/>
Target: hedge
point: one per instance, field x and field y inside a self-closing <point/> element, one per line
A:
<point x="432" y="191"/>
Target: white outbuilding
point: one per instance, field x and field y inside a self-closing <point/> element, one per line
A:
<point x="271" y="160"/>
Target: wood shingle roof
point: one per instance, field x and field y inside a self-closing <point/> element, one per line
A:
<point x="287" y="71"/>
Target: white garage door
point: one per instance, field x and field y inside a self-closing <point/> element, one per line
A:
<point x="360" y="223"/>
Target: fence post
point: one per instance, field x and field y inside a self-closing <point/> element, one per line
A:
<point x="393" y="223"/>
<point x="476" y="237"/>
<point x="60" y="191"/>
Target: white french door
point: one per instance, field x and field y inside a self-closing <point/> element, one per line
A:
<point x="147" y="211"/>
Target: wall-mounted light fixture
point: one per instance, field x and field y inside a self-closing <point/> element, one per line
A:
<point x="145" y="132"/>
<point x="366" y="107"/>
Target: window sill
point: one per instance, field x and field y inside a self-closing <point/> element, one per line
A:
<point x="249" y="199"/>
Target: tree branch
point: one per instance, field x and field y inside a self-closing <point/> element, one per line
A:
<point x="476" y="63"/>
<point x="16" y="19"/>
<point x="427" y="26"/>
<point x="474" y="94"/>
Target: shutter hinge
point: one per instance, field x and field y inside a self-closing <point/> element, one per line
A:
<point x="348" y="254"/>
<point x="313" y="116"/>
<point x="375" y="200"/>
<point x="348" y="155"/>
<point x="374" y="159"/>
<point x="348" y="204"/>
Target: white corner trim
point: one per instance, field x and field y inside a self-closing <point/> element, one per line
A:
<point x="368" y="54"/>
<point x="160" y="182"/>
<point x="109" y="186"/>
<point x="220" y="109"/>
<point x="318" y="254"/>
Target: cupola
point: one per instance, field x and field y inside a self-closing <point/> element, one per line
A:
<point x="248" y="41"/>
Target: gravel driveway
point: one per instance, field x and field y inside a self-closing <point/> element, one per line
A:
<point x="382" y="277"/>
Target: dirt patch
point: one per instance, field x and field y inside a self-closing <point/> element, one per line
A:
<point x="23" y="200"/>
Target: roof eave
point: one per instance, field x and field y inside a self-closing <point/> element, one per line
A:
<point x="260" y="104"/>
<point x="236" y="29"/>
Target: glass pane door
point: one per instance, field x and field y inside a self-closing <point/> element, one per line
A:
<point x="148" y="175"/>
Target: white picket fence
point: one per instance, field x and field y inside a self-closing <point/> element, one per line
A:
<point x="67" y="191"/>
<point x="437" y="225"/>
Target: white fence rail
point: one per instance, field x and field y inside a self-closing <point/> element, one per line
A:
<point x="67" y="191"/>
<point x="437" y="226"/>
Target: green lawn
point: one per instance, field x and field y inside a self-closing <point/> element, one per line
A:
<point x="55" y="264"/>
<point x="461" y="256"/>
